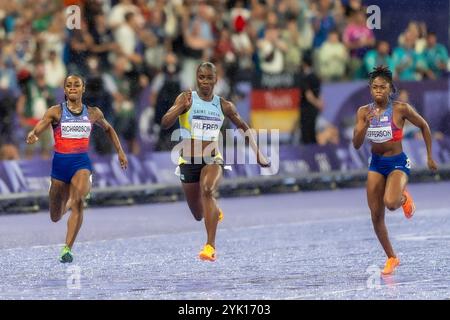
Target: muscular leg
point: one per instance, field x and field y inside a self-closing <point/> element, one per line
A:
<point x="395" y="184"/>
<point x="58" y="195"/>
<point x="209" y="182"/>
<point x="375" y="193"/>
<point x="79" y="188"/>
<point x="192" y="193"/>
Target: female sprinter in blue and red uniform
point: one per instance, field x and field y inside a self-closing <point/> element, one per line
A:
<point x="201" y="114"/>
<point x="381" y="122"/>
<point x="71" y="168"/>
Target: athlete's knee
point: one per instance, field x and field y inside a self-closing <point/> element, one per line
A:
<point x="197" y="216"/>
<point x="208" y="191"/>
<point x="76" y="199"/>
<point x="55" y="217"/>
<point x="391" y="203"/>
<point x="77" y="202"/>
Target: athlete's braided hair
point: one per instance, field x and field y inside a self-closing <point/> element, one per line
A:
<point x="385" y="73"/>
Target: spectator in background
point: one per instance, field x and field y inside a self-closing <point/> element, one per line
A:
<point x="239" y="15"/>
<point x="165" y="88"/>
<point x="436" y="56"/>
<point x="224" y="52"/>
<point x="55" y="70"/>
<point x="8" y="150"/>
<point x="243" y="47"/>
<point x="323" y="22"/>
<point x="8" y="65"/>
<point x="97" y="95"/>
<point x="32" y="105"/>
<point x="222" y="88"/>
<point x="53" y="38"/>
<point x="352" y="6"/>
<point x="406" y="61"/>
<point x="127" y="38"/>
<point x="271" y="51"/>
<point x="119" y="85"/>
<point x="332" y="58"/>
<point x="311" y="103"/>
<point x="198" y="40"/>
<point x="294" y="48"/>
<point x="118" y="12"/>
<point x="103" y="42"/>
<point x="418" y="31"/>
<point x="378" y="57"/>
<point x="155" y="51"/>
<point x="80" y="42"/>
<point x="359" y="39"/>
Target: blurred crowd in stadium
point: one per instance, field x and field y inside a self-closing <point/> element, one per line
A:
<point x="127" y="46"/>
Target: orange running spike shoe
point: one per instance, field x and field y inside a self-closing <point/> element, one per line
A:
<point x="408" y="206"/>
<point x="220" y="215"/>
<point x="390" y="266"/>
<point x="208" y="253"/>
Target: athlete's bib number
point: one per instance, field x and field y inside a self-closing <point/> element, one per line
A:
<point x="75" y="130"/>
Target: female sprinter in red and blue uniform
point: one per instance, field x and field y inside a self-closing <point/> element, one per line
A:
<point x="381" y="122"/>
<point x="71" y="167"/>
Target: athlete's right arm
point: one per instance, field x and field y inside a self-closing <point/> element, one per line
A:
<point x="181" y="105"/>
<point x="363" y="117"/>
<point x="51" y="115"/>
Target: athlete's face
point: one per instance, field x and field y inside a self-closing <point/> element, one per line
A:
<point x="206" y="79"/>
<point x="73" y="88"/>
<point x="380" y="90"/>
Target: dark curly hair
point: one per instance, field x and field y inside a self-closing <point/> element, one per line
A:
<point x="386" y="74"/>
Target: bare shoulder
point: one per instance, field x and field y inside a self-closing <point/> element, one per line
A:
<point x="226" y="104"/>
<point x="94" y="111"/>
<point x="55" y="108"/>
<point x="54" y="111"/>
<point x="363" y="109"/>
<point x="403" y="107"/>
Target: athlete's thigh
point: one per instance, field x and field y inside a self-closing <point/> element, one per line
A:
<point x="210" y="176"/>
<point x="193" y="194"/>
<point x="191" y="190"/>
<point x="58" y="195"/>
<point x="376" y="183"/>
<point x="396" y="182"/>
<point x="81" y="183"/>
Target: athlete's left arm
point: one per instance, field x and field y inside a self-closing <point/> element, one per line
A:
<point x="99" y="119"/>
<point x="410" y="114"/>
<point x="229" y="109"/>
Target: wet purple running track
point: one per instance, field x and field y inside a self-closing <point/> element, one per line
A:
<point x="310" y="245"/>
